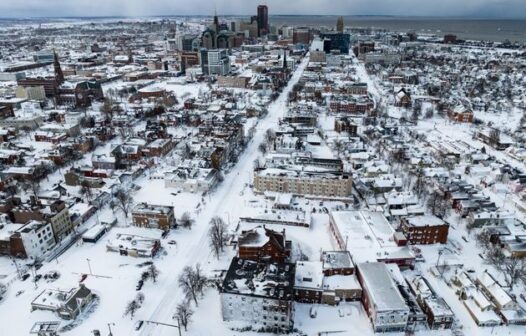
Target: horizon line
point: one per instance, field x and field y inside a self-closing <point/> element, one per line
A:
<point x="472" y="17"/>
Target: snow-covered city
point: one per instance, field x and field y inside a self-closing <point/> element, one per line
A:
<point x="240" y="175"/>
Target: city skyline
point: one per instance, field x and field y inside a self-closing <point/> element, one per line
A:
<point x="409" y="8"/>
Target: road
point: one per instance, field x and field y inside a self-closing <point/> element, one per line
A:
<point x="226" y="197"/>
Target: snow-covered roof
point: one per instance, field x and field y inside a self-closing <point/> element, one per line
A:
<point x="309" y="275"/>
<point x="381" y="289"/>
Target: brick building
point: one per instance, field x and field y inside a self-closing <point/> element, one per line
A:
<point x="424" y="230"/>
<point x="264" y="244"/>
<point x="153" y="216"/>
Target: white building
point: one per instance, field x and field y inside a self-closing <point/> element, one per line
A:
<point x="73" y="118"/>
<point x="37" y="238"/>
<point x="259" y="295"/>
<point x="381" y="299"/>
<point x="218" y="62"/>
<point x="191" y="179"/>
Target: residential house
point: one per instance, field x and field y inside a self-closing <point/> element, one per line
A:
<point x="262" y="244"/>
<point x="67" y="304"/>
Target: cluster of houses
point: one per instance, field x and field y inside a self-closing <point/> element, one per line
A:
<point x="334" y="144"/>
<point x="486" y="301"/>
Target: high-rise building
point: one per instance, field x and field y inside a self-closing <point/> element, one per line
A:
<point x="215" y="62"/>
<point x="301" y="35"/>
<point x="336" y="41"/>
<point x="263" y="27"/>
<point x="340" y="25"/>
<point x="185" y="42"/>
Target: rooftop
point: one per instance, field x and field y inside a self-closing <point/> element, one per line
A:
<point x="383" y="292"/>
<point x="269" y="280"/>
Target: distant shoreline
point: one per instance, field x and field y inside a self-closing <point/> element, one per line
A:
<point x="389" y="17"/>
<point x="467" y="28"/>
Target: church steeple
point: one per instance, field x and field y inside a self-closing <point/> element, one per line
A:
<point x="216" y="21"/>
<point x="59" y="75"/>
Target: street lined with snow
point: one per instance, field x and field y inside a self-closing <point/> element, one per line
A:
<point x="225" y="201"/>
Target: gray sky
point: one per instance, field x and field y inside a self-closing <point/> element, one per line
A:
<point x="478" y="8"/>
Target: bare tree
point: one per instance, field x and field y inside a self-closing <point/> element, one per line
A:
<point x="483" y="239"/>
<point x="419" y="185"/>
<point x="153" y="271"/>
<point x="438" y="205"/>
<point x="131" y="308"/>
<point x="513" y="268"/>
<point x="263" y="148"/>
<point x="199" y="278"/>
<point x="183" y="314"/>
<point x="123" y="201"/>
<point x="415" y="113"/>
<point x="34" y="185"/>
<point x="217" y="233"/>
<point x="145" y="275"/>
<point x="186" y="220"/>
<point x="86" y="190"/>
<point x="398" y="155"/>
<point x="429" y="113"/>
<point x="139" y="298"/>
<point x="192" y="282"/>
<point x="107" y="108"/>
<point x="494" y="136"/>
<point x="270" y="137"/>
<point x="338" y="146"/>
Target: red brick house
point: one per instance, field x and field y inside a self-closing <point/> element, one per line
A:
<point x="403" y="98"/>
<point x="460" y="113"/>
<point x="262" y="244"/>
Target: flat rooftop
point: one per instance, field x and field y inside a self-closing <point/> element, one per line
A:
<point x="382" y="290"/>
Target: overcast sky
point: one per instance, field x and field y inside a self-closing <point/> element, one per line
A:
<point x="475" y="8"/>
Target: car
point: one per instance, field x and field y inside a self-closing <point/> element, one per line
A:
<point x="313" y="312"/>
<point x="139" y="285"/>
<point x="172" y="242"/>
<point x="25" y="276"/>
<point x="139" y="324"/>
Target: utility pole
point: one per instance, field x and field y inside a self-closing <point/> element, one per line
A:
<point x="89" y="267"/>
<point x="16" y="266"/>
<point x="178" y="326"/>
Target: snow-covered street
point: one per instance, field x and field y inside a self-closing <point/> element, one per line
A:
<point x="225" y="202"/>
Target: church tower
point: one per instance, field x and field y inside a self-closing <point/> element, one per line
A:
<point x="59" y="75"/>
